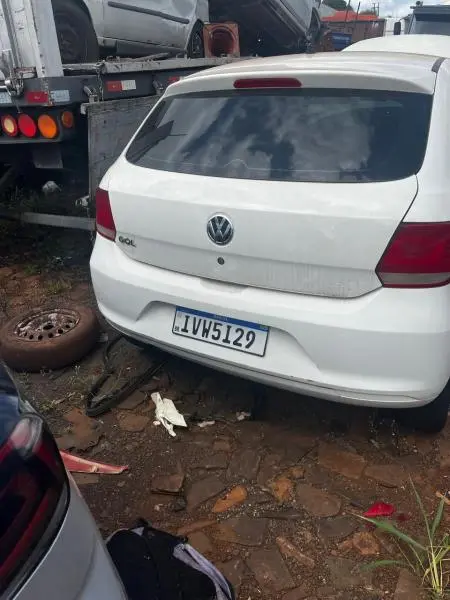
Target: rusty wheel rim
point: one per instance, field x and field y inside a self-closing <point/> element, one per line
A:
<point x="45" y="325"/>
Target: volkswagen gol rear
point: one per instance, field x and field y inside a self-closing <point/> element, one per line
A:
<point x="256" y="223"/>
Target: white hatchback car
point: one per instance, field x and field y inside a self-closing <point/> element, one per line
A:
<point x="288" y="220"/>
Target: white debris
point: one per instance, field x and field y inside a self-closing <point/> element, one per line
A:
<point x="167" y="414"/>
<point x="205" y="424"/>
<point x="243" y="416"/>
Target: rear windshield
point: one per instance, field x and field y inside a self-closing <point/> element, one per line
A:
<point x="299" y="135"/>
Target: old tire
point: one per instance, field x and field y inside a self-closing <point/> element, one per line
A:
<point x="76" y="35"/>
<point x="49" y="338"/>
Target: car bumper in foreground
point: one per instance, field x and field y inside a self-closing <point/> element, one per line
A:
<point x="387" y="348"/>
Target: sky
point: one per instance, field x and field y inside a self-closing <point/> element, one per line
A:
<point x="394" y="8"/>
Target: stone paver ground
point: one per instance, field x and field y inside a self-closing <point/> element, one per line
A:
<point x="273" y="499"/>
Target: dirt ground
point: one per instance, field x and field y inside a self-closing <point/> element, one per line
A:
<point x="267" y="484"/>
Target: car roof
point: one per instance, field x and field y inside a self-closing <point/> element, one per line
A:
<point x="332" y="61"/>
<point x="410" y="72"/>
<point x="416" y="44"/>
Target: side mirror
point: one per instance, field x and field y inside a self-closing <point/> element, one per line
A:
<point x="397" y="28"/>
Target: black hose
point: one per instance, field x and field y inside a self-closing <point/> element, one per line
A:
<point x="95" y="405"/>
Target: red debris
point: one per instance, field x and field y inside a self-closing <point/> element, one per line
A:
<point x="75" y="464"/>
<point x="380" y="509"/>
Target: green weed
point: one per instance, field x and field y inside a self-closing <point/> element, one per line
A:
<point x="428" y="557"/>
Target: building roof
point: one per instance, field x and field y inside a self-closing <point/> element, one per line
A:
<point x="346" y="16"/>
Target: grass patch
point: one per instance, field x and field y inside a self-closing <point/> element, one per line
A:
<point x="31" y="269"/>
<point x="427" y="556"/>
<point x="57" y="287"/>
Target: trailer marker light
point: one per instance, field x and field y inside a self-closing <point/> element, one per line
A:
<point x="48" y="127"/>
<point x="9" y="125"/>
<point x="27" y="126"/>
<point x="267" y="82"/>
<point x="67" y="119"/>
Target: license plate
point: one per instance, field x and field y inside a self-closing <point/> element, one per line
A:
<point x="250" y="338"/>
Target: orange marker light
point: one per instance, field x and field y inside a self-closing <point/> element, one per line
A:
<point x="48" y="127"/>
<point x="67" y="119"/>
<point x="9" y="125"/>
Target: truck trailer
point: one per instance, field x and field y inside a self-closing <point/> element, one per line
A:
<point x="431" y="20"/>
<point x="62" y="119"/>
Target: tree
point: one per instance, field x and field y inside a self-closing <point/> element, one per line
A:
<point x="369" y="11"/>
<point x="338" y="4"/>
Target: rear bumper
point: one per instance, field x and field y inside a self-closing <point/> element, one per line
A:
<point x="77" y="566"/>
<point x="388" y="348"/>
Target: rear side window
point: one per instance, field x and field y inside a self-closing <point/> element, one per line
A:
<point x="295" y="135"/>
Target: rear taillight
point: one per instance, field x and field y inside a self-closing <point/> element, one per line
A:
<point x="267" y="82"/>
<point x="418" y="256"/>
<point x="33" y="497"/>
<point x="104" y="220"/>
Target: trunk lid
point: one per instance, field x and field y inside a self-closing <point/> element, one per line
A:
<point x="306" y="238"/>
<point x="313" y="182"/>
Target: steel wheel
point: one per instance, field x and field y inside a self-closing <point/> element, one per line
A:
<point x="48" y="338"/>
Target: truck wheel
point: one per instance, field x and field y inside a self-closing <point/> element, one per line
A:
<point x="76" y="36"/>
<point x="196" y="45"/>
<point x="49" y="338"/>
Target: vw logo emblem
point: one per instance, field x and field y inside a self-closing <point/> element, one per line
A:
<point x="220" y="230"/>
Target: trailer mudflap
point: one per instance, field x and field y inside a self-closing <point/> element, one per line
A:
<point x="110" y="127"/>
